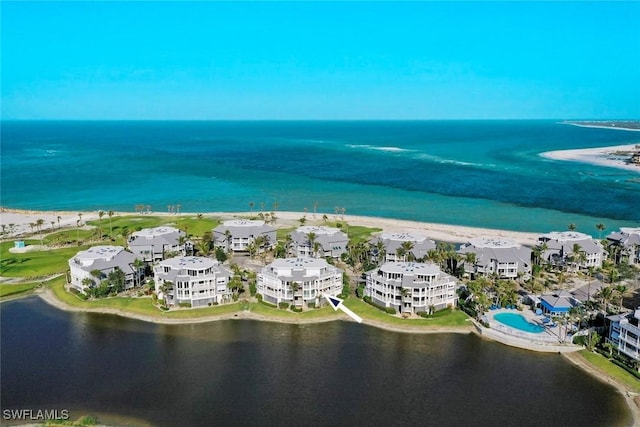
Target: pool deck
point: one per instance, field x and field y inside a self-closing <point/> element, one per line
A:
<point x="547" y="341"/>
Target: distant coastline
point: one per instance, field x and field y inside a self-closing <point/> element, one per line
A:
<point x="625" y="157"/>
<point x="631" y="125"/>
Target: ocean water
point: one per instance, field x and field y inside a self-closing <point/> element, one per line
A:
<point x="475" y="173"/>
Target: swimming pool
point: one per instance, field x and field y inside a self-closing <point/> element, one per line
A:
<point x="519" y="322"/>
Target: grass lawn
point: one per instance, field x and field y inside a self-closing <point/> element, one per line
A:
<point x="35" y="263"/>
<point x="612" y="370"/>
<point x="443" y="319"/>
<point x="281" y="233"/>
<point x="259" y="308"/>
<point x="8" y="289"/>
<point x="358" y="233"/>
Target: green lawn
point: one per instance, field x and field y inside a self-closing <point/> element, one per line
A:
<point x="8" y="289"/>
<point x="260" y="308"/>
<point x="611" y="370"/>
<point x="281" y="233"/>
<point x="358" y="233"/>
<point x="444" y="319"/>
<point x="35" y="263"/>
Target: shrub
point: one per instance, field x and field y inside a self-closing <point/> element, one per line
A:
<point x="185" y="304"/>
<point x="252" y="287"/>
<point x="164" y="307"/>
<point x="296" y="309"/>
<point x="360" y="291"/>
<point x="215" y="303"/>
<point x="424" y="314"/>
<point x="283" y="305"/>
<point x="268" y="304"/>
<point x="209" y="304"/>
<point x="367" y="299"/>
<point x="259" y="297"/>
<point x="311" y="304"/>
<point x="235" y="297"/>
<point x="389" y="310"/>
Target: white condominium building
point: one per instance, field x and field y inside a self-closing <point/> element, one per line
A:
<point x="401" y="246"/>
<point x="411" y="287"/>
<point x="561" y="245"/>
<point x="153" y="244"/>
<point x="329" y="242"/>
<point x="237" y="234"/>
<point x="195" y="280"/>
<point x="503" y="257"/>
<point x="299" y="281"/>
<point x="102" y="259"/>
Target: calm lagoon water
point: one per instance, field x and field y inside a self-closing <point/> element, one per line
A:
<point x="252" y="373"/>
<point x="476" y="173"/>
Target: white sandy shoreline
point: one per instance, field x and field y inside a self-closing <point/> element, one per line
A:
<point x="440" y="232"/>
<point x="600" y="156"/>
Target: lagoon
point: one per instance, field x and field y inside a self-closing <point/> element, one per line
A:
<point x="240" y="372"/>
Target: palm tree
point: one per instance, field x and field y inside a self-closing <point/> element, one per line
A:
<point x="100" y="215"/>
<point x="571" y="227"/>
<point x="600" y="227"/>
<point x="275" y="205"/>
<point x="39" y="224"/>
<point x="302" y="220"/>
<point x="251" y="207"/>
<point x="294" y="286"/>
<point x="227" y="237"/>
<point x="621" y="290"/>
<point x="53" y="224"/>
<point x="137" y="265"/>
<point x="605" y="296"/>
<point x="315" y="208"/>
<point x="311" y="238"/>
<point x="407" y="247"/>
<point x="178" y="209"/>
<point x="59" y="218"/>
<point x="78" y="231"/>
<point x="110" y="214"/>
<point x="325" y="218"/>
<point x="577" y="256"/>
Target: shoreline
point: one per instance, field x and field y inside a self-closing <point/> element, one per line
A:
<point x="602" y="126"/>
<point x="599" y="156"/>
<point x="436" y="231"/>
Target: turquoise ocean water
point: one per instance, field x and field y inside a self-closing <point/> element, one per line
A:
<point x="476" y="173"/>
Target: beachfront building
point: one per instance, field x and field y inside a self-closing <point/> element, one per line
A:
<point x="299" y="281"/>
<point x="627" y="244"/>
<point x="624" y="334"/>
<point x="400" y="246"/>
<point x="502" y="257"/>
<point x="193" y="280"/>
<point x="91" y="267"/>
<point x="411" y="287"/>
<point x="318" y="242"/>
<point x="561" y="245"/>
<point x="155" y="244"/>
<point x="239" y="234"/>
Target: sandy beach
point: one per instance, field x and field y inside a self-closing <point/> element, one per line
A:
<point x="601" y="156"/>
<point x="439" y="232"/>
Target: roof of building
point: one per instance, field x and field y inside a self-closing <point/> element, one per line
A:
<point x="104" y="258"/>
<point x="566" y="236"/>
<point x="493" y="242"/>
<point x="328" y="237"/>
<point x="411" y="268"/>
<point x="627" y="236"/>
<point x="394" y="240"/>
<point x="502" y="250"/>
<point x="242" y="228"/>
<point x="557" y="302"/>
<point x="189" y="262"/>
<point x="158" y="236"/>
<point x="299" y="268"/>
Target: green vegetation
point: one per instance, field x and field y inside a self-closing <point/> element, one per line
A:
<point x="611" y="370"/>
<point x="445" y="318"/>
<point x="8" y="289"/>
<point x="35" y="263"/>
<point x="282" y="233"/>
<point x="358" y="233"/>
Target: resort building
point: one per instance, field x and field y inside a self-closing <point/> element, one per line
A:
<point x="193" y="280"/>
<point x="557" y="304"/>
<point x="97" y="262"/>
<point x="324" y="242"/>
<point x="155" y="244"/>
<point x="560" y="247"/>
<point x="401" y="246"/>
<point x="299" y="281"/>
<point x="411" y="287"/>
<point x="503" y="257"/>
<point x="238" y="234"/>
<point x="627" y="241"/>
<point x="624" y="334"/>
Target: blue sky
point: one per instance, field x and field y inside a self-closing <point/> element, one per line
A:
<point x="325" y="60"/>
